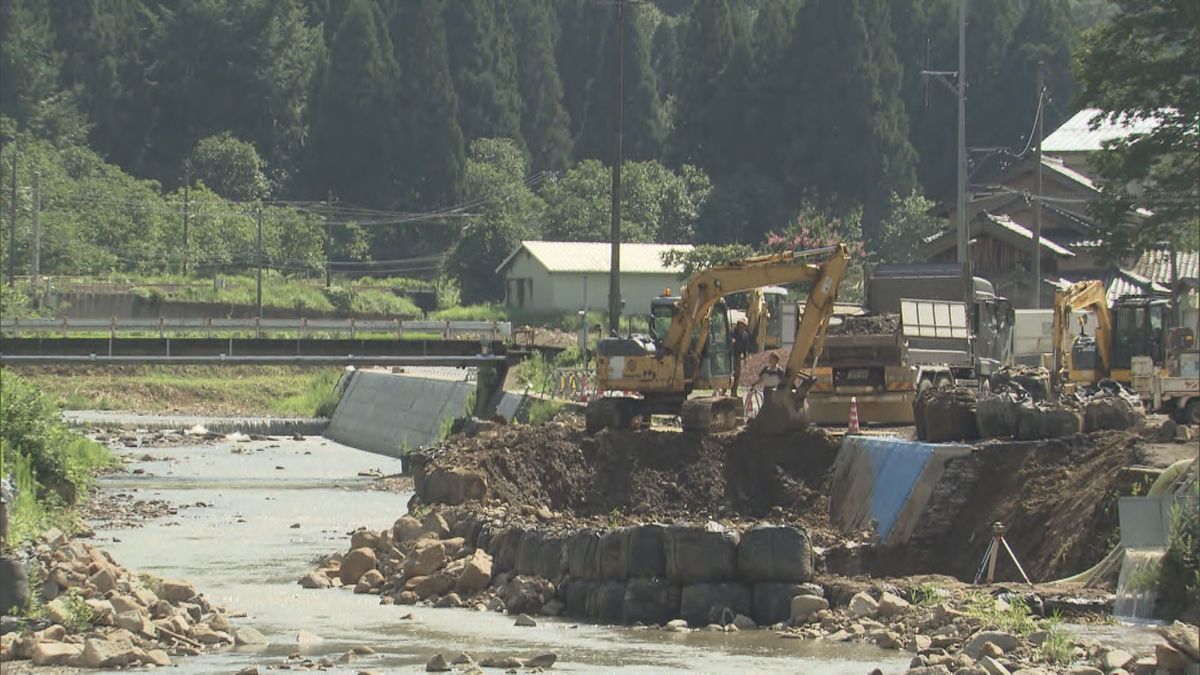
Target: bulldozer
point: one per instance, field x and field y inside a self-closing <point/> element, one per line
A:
<point x="688" y="349"/>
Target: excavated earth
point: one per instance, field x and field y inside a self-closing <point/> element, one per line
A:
<point x="1057" y="497"/>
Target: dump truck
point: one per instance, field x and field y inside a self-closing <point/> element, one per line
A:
<point x="922" y="325"/>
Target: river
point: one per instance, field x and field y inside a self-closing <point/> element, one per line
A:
<point x="244" y="553"/>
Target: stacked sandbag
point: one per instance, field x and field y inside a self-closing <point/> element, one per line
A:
<point x="1040" y="420"/>
<point x="1111" y="406"/>
<point x="1034" y="381"/>
<point x="946" y="414"/>
<point x="997" y="413"/>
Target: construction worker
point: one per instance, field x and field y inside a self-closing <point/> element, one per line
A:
<point x="771" y="376"/>
<point x="740" y="341"/>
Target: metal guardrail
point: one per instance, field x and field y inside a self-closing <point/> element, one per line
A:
<point x="448" y="330"/>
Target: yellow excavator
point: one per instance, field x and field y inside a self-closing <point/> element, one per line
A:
<point x="1086" y="360"/>
<point x="688" y="348"/>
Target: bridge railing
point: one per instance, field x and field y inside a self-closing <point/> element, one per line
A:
<point x="304" y="328"/>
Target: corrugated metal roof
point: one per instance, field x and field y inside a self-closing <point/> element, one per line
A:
<point x="1156" y="265"/>
<point x="1077" y="134"/>
<point x="594" y="257"/>
<point x="1018" y="229"/>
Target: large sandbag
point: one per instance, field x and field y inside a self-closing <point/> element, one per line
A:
<point x="579" y="594"/>
<point x="949" y="414"/>
<point x="1110" y="411"/>
<point x="581" y="554"/>
<point x="695" y="554"/>
<point x="1044" y="420"/>
<point x="644" y="550"/>
<point x="528" y="552"/>
<point x="504" y="547"/>
<point x="651" y="601"/>
<point x="997" y="415"/>
<point x="610" y="556"/>
<point x="702" y="604"/>
<point x="1033" y="380"/>
<point x="610" y="602"/>
<point x="773" y="601"/>
<point x="774" y="553"/>
<point x="550" y="558"/>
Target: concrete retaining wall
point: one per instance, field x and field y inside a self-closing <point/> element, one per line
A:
<point x="889" y="484"/>
<point x="391" y="413"/>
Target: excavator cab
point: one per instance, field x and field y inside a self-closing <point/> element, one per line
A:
<point x="716" y="364"/>
<point x="1140" y="324"/>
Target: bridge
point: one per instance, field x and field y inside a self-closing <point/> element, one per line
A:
<point x="256" y="341"/>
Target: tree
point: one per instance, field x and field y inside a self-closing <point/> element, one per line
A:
<point x="434" y="160"/>
<point x="509" y="214"/>
<point x="708" y="43"/>
<point x="231" y="167"/>
<point x="904" y="231"/>
<point x="356" y="151"/>
<point x="544" y="121"/>
<point x="29" y="63"/>
<point x="483" y="68"/>
<point x="664" y="56"/>
<point x="852" y="149"/>
<point x="642" y="121"/>
<point x="704" y="256"/>
<point x="1141" y="65"/>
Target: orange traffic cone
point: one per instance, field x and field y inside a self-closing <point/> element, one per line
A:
<point x="853" y="427"/>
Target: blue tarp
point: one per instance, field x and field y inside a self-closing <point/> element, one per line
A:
<point x="896" y="465"/>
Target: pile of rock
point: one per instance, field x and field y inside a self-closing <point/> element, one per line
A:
<point x="101" y="615"/>
<point x="411" y="562"/>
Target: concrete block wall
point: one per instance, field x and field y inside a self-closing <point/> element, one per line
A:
<point x="391" y="413"/>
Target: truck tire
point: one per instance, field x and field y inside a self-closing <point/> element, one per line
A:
<point x="1191" y="412"/>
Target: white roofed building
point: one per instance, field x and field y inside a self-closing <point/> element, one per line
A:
<point x="558" y="276"/>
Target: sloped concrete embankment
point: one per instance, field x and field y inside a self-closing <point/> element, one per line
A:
<point x="390" y="413"/>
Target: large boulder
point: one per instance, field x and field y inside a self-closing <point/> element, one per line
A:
<point x="405" y="529"/>
<point x="705" y="603"/>
<point x="700" y="554"/>
<point x="644" y="550"/>
<point x="434" y="525"/>
<point x="428" y="557"/>
<point x="773" y="601"/>
<point x="527" y="594"/>
<point x="356" y="564"/>
<point x="53" y="653"/>
<point x="805" y="606"/>
<point x="476" y="573"/>
<point x="110" y="653"/>
<point x="176" y="591"/>
<point x="774" y="553"/>
<point x="364" y="538"/>
<point x="454" y="485"/>
<point x="651" y="600"/>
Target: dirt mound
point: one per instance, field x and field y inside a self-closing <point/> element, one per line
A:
<point x="647" y="475"/>
<point x="879" y="324"/>
<point x="1057" y="497"/>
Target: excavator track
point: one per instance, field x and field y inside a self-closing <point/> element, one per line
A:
<point x="610" y="413"/>
<point x="710" y="414"/>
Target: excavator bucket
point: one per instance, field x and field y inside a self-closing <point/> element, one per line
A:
<point x="782" y="412"/>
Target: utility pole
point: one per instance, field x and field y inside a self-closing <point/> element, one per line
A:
<point x="36" y="235"/>
<point x="258" y="257"/>
<point x="962" y="132"/>
<point x="12" y="227"/>
<point x="1037" y="193"/>
<point x="187" y="179"/>
<point x="328" y="246"/>
<point x="614" y="271"/>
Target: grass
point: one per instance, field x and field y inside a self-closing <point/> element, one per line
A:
<point x="1016" y="618"/>
<point x="227" y="390"/>
<point x="541" y="411"/>
<point x="1058" y="648"/>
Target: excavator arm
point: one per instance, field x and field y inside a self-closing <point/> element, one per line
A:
<point x="708" y="286"/>
<point x="1082" y="295"/>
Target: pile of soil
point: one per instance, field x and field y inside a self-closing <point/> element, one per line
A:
<point x="1058" y="499"/>
<point x="649" y="475"/>
<point x="877" y="324"/>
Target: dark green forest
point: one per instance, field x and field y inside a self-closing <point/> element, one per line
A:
<point x="432" y="135"/>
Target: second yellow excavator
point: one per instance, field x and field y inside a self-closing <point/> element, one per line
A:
<point x="688" y="349"/>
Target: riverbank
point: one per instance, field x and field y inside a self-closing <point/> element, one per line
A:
<point x="189" y="390"/>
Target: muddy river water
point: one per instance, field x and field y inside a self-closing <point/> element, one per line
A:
<point x="244" y="552"/>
